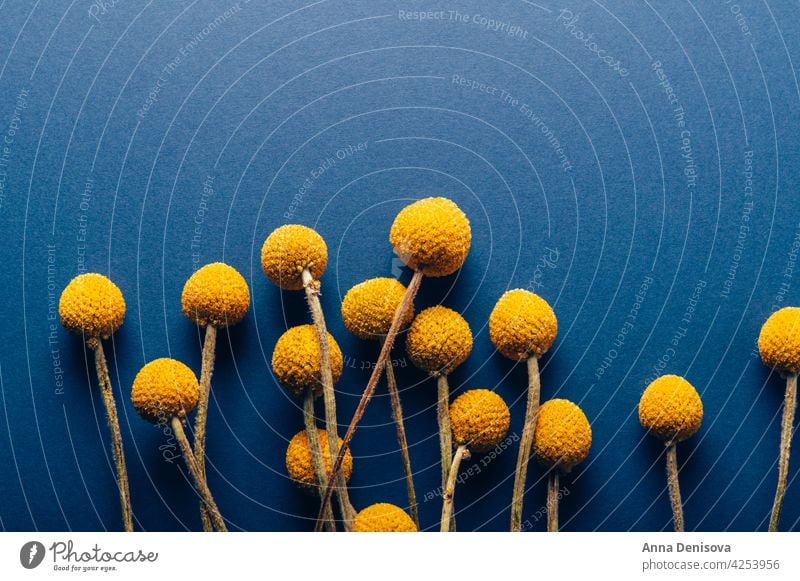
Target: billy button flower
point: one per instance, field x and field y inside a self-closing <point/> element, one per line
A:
<point x="93" y="307"/>
<point x="367" y="311"/>
<point x="432" y="236"/>
<point x="294" y="257"/>
<point x="214" y="297"/>
<point x="438" y="341"/>
<point x="300" y="461"/>
<point x="297" y="365"/>
<point x="164" y="392"/>
<point x="562" y="441"/>
<point x="779" y="346"/>
<point x="671" y="410"/>
<point x="383" y="518"/>
<point x="479" y="420"/>
<point x="522" y="327"/>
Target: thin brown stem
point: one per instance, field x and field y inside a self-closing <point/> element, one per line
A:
<point x="552" y="500"/>
<point x="104" y="379"/>
<point x="194" y="470"/>
<point x="789" y="405"/>
<point x="450" y="489"/>
<point x="317" y="460"/>
<point x="206" y="371"/>
<point x="397" y="413"/>
<point x="526" y="443"/>
<point x="388" y="343"/>
<point x="445" y="432"/>
<point x="674" y="487"/>
<point x="312" y="288"/>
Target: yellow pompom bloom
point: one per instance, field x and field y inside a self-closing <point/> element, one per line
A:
<point x="671" y="408"/>
<point x="383" y="518"/>
<point x="563" y="435"/>
<point x="299" y="464"/>
<point x="439" y="340"/>
<point x="432" y="235"/>
<point x="522" y="324"/>
<point x="296" y="360"/>
<point x="215" y="295"/>
<point x="779" y="340"/>
<point x="164" y="389"/>
<point x="368" y="308"/>
<point x="93" y="305"/>
<point x="291" y="249"/>
<point x="480" y="419"/>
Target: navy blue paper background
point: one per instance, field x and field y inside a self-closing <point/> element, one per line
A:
<point x="601" y="151"/>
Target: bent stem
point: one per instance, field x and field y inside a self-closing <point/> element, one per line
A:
<point x="789" y="404"/>
<point x="312" y="288"/>
<point x="448" y="518"/>
<point x="552" y="500"/>
<point x="388" y="343"/>
<point x="104" y="379"/>
<point x="397" y="412"/>
<point x="317" y="460"/>
<point x="199" y="480"/>
<point x="445" y="433"/>
<point x="526" y="443"/>
<point x="674" y="487"/>
<point x="206" y="370"/>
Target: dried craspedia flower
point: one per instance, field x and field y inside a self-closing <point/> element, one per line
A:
<point x="93" y="305"/>
<point x="563" y="435"/>
<point x="383" y="518"/>
<point x="215" y="295"/>
<point x="291" y="249"/>
<point x="779" y="340"/>
<point x="296" y="360"/>
<point x="368" y="308"/>
<point x="522" y="324"/>
<point x="439" y="340"/>
<point x="165" y="389"/>
<point x="671" y="408"/>
<point x="480" y="419"/>
<point x="432" y="235"/>
<point x="299" y="464"/>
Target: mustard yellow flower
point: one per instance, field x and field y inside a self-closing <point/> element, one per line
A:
<point x="215" y="295"/>
<point x="93" y="305"/>
<point x="779" y="340"/>
<point x="522" y="324"/>
<point x="164" y="389"/>
<point x="439" y="340"/>
<point x="291" y="249"/>
<point x="671" y="409"/>
<point x="479" y="419"/>
<point x="299" y="464"/>
<point x="383" y="518"/>
<point x="563" y="435"/>
<point x="432" y="235"/>
<point x="296" y="360"/>
<point x="369" y="307"/>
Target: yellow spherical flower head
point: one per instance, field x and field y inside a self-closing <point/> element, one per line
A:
<point x="480" y="419"/>
<point x="432" y="235"/>
<point x="291" y="249"/>
<point x="215" y="295"/>
<point x="296" y="360"/>
<point x="522" y="324"/>
<point x="164" y="389"/>
<point x="93" y="305"/>
<point x="563" y="435"/>
<point x="383" y="518"/>
<point x="368" y="308"/>
<point x="299" y="464"/>
<point x="779" y="340"/>
<point x="439" y="340"/>
<point x="671" y="409"/>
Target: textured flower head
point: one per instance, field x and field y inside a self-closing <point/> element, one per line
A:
<point x="480" y="419"/>
<point x="92" y="305"/>
<point x="369" y="307"/>
<point x="164" y="389"/>
<point x="383" y="518"/>
<point x="215" y="295"/>
<point x="299" y="464"/>
<point x="522" y="324"/>
<point x="296" y="360"/>
<point x="671" y="409"/>
<point x="779" y="340"/>
<point x="439" y="340"/>
<point x="291" y="249"/>
<point x="563" y="435"/>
